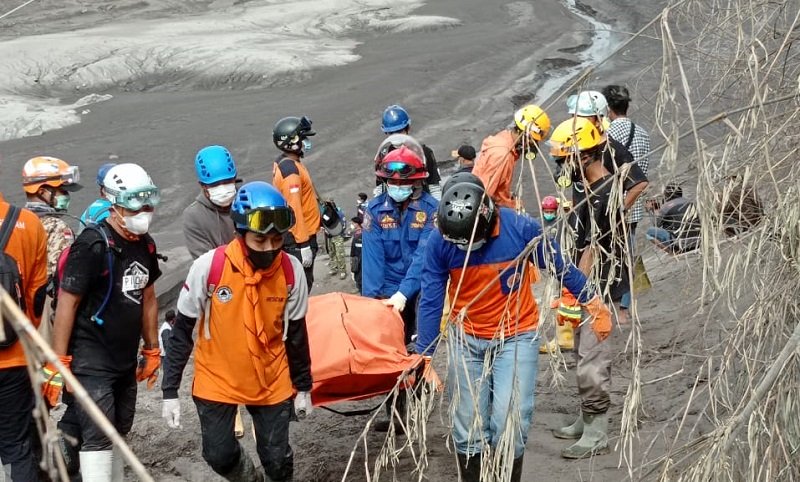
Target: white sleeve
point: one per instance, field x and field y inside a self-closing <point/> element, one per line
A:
<point x="297" y="302"/>
<point x="193" y="295"/>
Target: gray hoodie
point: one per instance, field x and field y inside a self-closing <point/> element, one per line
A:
<point x="206" y="226"/>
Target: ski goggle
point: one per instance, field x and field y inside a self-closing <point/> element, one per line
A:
<point x="136" y="200"/>
<point x="72" y="176"/>
<point x="265" y="220"/>
<point x="401" y="169"/>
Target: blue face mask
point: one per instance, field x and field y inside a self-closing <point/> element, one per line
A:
<point x="306" y="145"/>
<point x="399" y="193"/>
<point x="549" y="216"/>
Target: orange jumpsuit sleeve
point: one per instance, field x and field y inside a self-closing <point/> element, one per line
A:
<point x="291" y="187"/>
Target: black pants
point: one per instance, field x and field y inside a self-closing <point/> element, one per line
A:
<point x="221" y="449"/>
<point x="16" y="424"/>
<point x="294" y="250"/>
<point x="115" y="396"/>
<point x="71" y="441"/>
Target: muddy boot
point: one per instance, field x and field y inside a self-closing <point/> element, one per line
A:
<point x="469" y="467"/>
<point x="570" y="432"/>
<point x="594" y="440"/>
<point x="516" y="469"/>
<point x="245" y="470"/>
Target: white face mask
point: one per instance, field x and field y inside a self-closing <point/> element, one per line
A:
<point x="222" y="195"/>
<point x="138" y="224"/>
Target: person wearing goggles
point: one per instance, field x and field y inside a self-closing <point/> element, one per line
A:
<point x="100" y="207"/>
<point x="106" y="304"/>
<point x="290" y="176"/>
<point x="251" y="298"/>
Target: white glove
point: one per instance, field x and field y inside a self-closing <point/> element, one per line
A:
<point x="302" y="404"/>
<point x="307" y="256"/>
<point x="353" y="277"/>
<point x="171" y="412"/>
<point x="397" y="301"/>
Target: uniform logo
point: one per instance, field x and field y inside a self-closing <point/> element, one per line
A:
<point x="419" y="220"/>
<point x="134" y="280"/>
<point x="224" y="294"/>
<point x="388" y="222"/>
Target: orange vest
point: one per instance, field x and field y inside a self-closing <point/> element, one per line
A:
<point x="243" y="361"/>
<point x="28" y="246"/>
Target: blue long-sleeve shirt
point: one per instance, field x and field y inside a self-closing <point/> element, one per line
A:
<point x="392" y="243"/>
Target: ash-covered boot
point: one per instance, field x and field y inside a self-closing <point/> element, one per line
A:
<point x="572" y="431"/>
<point x="245" y="470"/>
<point x="594" y="440"/>
<point x="469" y="467"/>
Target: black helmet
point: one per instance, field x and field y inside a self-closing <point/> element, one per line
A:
<point x="462" y="206"/>
<point x="461" y="177"/>
<point x="289" y="132"/>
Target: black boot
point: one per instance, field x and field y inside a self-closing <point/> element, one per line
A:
<point x="400" y="405"/>
<point x="470" y="468"/>
<point x="516" y="469"/>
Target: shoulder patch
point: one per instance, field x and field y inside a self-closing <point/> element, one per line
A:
<point x="366" y="225"/>
<point x="287" y="167"/>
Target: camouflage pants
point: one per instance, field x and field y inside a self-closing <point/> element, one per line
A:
<point x="338" y="261"/>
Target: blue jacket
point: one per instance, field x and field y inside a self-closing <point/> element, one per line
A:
<point x="393" y="244"/>
<point x="444" y="260"/>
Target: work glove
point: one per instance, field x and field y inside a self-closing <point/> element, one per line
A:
<point x="53" y="381"/>
<point x="148" y="369"/>
<point x="430" y="376"/>
<point x="569" y="310"/>
<point x="306" y="256"/>
<point x="171" y="412"/>
<point x="599" y="317"/>
<point x="397" y="301"/>
<point x="302" y="404"/>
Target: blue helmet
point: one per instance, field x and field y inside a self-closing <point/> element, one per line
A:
<point x="261" y="208"/>
<point x="395" y="118"/>
<point x="102" y="171"/>
<point x="214" y="164"/>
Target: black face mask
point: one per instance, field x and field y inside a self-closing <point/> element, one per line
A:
<point x="262" y="259"/>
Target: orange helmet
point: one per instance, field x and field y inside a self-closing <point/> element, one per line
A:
<point x="402" y="163"/>
<point x="49" y="171"/>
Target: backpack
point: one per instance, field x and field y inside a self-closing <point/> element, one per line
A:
<point x="331" y="220"/>
<point x="10" y="278"/>
<point x="215" y="273"/>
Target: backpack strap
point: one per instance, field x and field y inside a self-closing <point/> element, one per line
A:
<point x="108" y="240"/>
<point x="7" y="227"/>
<point x="630" y="135"/>
<point x="214" y="275"/>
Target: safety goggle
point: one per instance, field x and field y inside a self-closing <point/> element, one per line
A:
<point x="72" y="176"/>
<point x="401" y="169"/>
<point x="139" y="199"/>
<point x="265" y="220"/>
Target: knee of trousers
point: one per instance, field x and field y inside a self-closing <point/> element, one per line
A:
<point x="223" y="459"/>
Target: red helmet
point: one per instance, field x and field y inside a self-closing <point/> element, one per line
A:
<point x="402" y="163"/>
<point x="549" y="203"/>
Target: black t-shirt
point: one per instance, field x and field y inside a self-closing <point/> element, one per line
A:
<point x="593" y="223"/>
<point x="111" y="347"/>
<point x="614" y="156"/>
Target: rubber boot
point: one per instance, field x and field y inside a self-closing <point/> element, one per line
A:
<point x="382" y="426"/>
<point x="516" y="469"/>
<point x="245" y="470"/>
<point x="573" y="431"/>
<point x="470" y="468"/>
<point x="594" y="440"/>
<point x="117" y="465"/>
<point x="566" y="340"/>
<point x="96" y="466"/>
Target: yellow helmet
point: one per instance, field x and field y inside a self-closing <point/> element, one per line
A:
<point x="533" y="120"/>
<point x="49" y="171"/>
<point x="575" y="134"/>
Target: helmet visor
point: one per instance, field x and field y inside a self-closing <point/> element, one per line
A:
<point x="304" y="128"/>
<point x="265" y="220"/>
<point x="138" y="199"/>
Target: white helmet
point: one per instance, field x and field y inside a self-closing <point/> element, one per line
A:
<point x="587" y="103"/>
<point x="129" y="186"/>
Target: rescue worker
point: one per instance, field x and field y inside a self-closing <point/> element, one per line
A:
<point x="395" y="229"/>
<point x="549" y="209"/>
<point x="252" y="344"/>
<point x="165" y="334"/>
<point x="291" y="178"/>
<point x="106" y="303"/>
<point x="26" y="246"/>
<point x="207" y="221"/>
<point x="395" y="120"/>
<point x="334" y="227"/>
<point x="677" y="226"/>
<point x="361" y="203"/>
<point x="465" y="158"/>
<point x="592" y="105"/>
<point x="498" y="156"/>
<point x="493" y="352"/>
<point x="100" y="207"/>
<point x="602" y="247"/>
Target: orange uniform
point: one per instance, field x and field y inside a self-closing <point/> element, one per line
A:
<point x="28" y="246"/>
<point x="291" y="178"/>
<point x="240" y="355"/>
<point x="495" y="166"/>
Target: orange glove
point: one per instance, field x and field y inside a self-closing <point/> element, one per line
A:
<point x="430" y="376"/>
<point x="569" y="310"/>
<point x="53" y="381"/>
<point x="600" y="317"/>
<point x="149" y="369"/>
